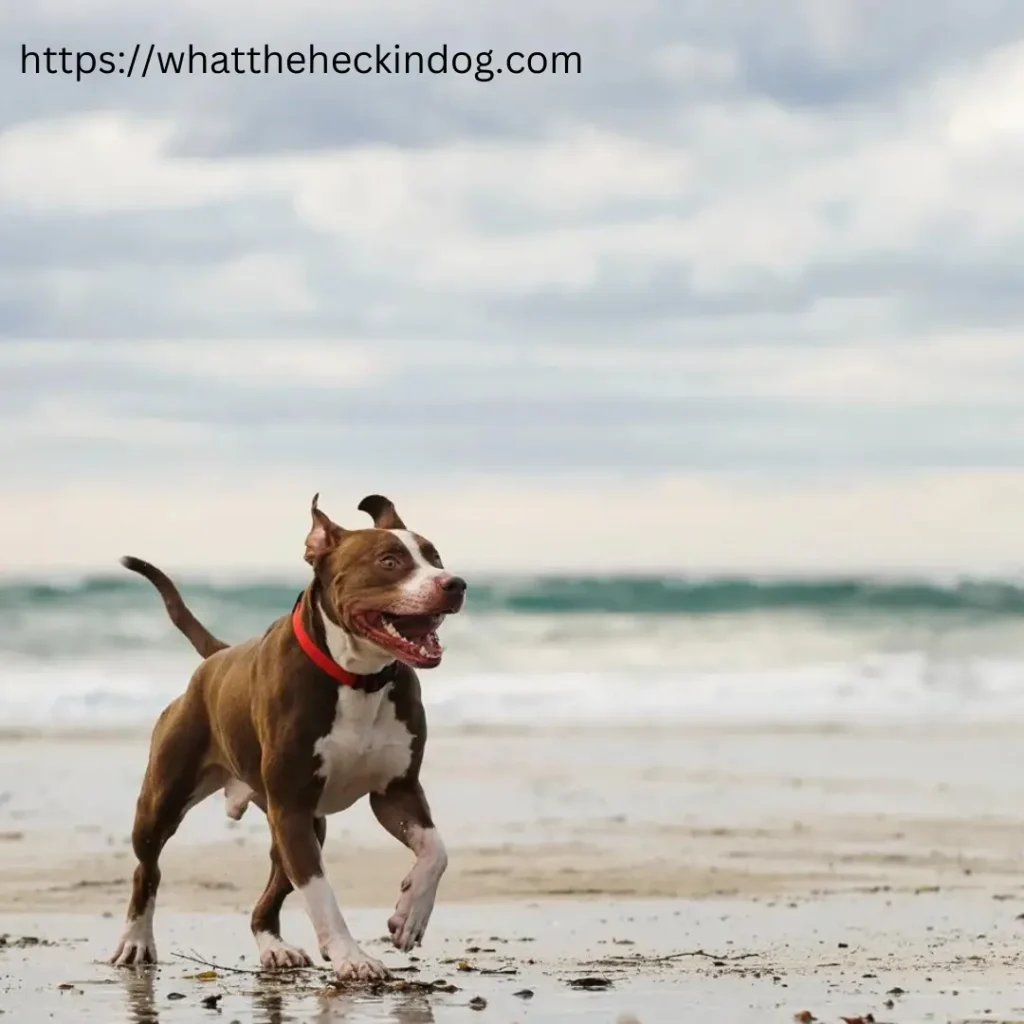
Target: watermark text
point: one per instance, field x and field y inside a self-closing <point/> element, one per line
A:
<point x="148" y="60"/>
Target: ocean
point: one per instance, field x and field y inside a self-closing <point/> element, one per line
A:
<point x="99" y="651"/>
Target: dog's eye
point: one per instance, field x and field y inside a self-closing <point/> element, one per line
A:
<point x="388" y="561"/>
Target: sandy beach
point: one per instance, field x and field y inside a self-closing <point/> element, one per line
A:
<point x="751" y="873"/>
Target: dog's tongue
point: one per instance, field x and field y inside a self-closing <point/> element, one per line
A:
<point x="415" y="627"/>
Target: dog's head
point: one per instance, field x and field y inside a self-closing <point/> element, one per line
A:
<point x="385" y="584"/>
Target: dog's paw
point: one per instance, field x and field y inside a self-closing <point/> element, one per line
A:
<point x="136" y="946"/>
<point x="350" y="963"/>
<point x="276" y="954"/>
<point x="408" y="923"/>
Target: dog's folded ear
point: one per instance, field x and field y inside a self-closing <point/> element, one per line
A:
<point x="323" y="534"/>
<point x="382" y="511"/>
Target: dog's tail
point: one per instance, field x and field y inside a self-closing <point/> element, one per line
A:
<point x="198" y="635"/>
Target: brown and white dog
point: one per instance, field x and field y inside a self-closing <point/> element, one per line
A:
<point x="321" y="710"/>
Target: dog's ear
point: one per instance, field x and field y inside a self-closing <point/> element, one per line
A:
<point x="382" y="512"/>
<point x="323" y="534"/>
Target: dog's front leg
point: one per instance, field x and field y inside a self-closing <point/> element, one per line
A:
<point x="295" y="836"/>
<point x="402" y="809"/>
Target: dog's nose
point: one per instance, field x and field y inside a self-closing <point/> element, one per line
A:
<point x="454" y="585"/>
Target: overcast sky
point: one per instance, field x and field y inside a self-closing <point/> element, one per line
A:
<point x="746" y="292"/>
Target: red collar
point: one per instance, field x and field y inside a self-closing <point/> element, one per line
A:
<point x="322" y="661"/>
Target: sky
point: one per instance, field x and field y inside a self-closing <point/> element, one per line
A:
<point x="747" y="293"/>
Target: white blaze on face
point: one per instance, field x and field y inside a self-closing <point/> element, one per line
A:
<point x="419" y="588"/>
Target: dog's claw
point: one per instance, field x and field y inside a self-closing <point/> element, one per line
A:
<point x="136" y="945"/>
<point x="353" y="964"/>
<point x="278" y="955"/>
<point x="133" y="954"/>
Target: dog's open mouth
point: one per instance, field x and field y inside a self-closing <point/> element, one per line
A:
<point x="412" y="638"/>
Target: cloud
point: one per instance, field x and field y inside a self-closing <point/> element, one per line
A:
<point x="431" y="412"/>
<point x="754" y="205"/>
<point x="744" y="240"/>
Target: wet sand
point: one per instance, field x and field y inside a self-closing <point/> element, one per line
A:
<point x="746" y="873"/>
<point x="933" y="956"/>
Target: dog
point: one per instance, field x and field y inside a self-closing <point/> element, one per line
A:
<point x="320" y="711"/>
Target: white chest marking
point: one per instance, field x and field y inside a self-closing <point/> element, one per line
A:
<point x="366" y="749"/>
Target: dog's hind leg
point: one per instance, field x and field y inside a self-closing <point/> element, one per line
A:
<point x="266" y="915"/>
<point x="175" y="781"/>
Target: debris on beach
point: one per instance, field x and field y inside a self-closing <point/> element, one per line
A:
<point x="478" y="1003"/>
<point x="378" y="987"/>
<point x="460" y="965"/>
<point x="23" y="941"/>
<point x="590" y="982"/>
